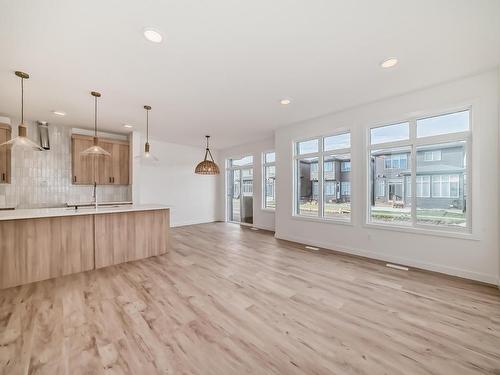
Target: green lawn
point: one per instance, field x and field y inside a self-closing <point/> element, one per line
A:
<point x="330" y="208"/>
<point x="452" y="217"/>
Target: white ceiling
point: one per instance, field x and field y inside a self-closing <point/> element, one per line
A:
<point x="225" y="64"/>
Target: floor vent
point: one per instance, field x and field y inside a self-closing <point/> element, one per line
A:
<point x="395" y="266"/>
<point x="312" y="248"/>
<point x="253" y="228"/>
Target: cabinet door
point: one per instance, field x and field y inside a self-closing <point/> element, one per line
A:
<point x="123" y="164"/>
<point x="83" y="166"/>
<point x="105" y="164"/>
<point x="4" y="157"/>
<point x="119" y="164"/>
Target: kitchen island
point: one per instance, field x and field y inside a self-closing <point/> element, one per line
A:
<point x="39" y="244"/>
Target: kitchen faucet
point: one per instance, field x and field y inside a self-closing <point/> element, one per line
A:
<point x="94" y="195"/>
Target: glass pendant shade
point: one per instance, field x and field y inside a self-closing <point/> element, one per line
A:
<point x="207" y="167"/>
<point x="147" y="156"/>
<point x="95" y="149"/>
<point x="22" y="139"/>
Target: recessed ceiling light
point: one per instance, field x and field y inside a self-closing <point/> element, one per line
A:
<point x="152" y="35"/>
<point x="59" y="113"/>
<point x="128" y="126"/>
<point x="389" y="63"/>
<point x="285" y="101"/>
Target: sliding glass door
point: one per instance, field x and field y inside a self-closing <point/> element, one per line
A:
<point x="239" y="174"/>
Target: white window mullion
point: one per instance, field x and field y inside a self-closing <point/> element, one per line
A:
<point x="320" y="179"/>
<point x="413" y="170"/>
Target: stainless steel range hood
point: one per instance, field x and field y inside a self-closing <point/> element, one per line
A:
<point x="43" y="130"/>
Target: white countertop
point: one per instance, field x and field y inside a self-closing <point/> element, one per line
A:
<point x="69" y="211"/>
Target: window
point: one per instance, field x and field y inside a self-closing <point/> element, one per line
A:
<point x="380" y="188"/>
<point x="423" y="186"/>
<point x="329" y="188"/>
<point x="432" y="155"/>
<point x="445" y="186"/>
<point x="345" y="188"/>
<point x="307" y="201"/>
<point x="390" y="133"/>
<point x="319" y="183"/>
<point x="246" y="160"/>
<point x="337" y="142"/>
<point x="247" y="186"/>
<point x="390" y="204"/>
<point x="433" y="190"/>
<point x="345" y="166"/>
<point x="269" y="183"/>
<point x="308" y="147"/>
<point x="443" y="124"/>
<point x="398" y="161"/>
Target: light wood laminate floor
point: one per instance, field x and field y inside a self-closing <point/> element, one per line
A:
<point x="228" y="300"/>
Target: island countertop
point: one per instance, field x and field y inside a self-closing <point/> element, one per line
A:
<point x="70" y="211"/>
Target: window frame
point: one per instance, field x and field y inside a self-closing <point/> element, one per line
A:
<point x="320" y="155"/>
<point x="263" y="184"/>
<point x="414" y="142"/>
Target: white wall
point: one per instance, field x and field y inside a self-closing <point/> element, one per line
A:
<point x="476" y="258"/>
<point x="172" y="182"/>
<point x="263" y="219"/>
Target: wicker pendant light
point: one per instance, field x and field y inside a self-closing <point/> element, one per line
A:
<point x="95" y="149"/>
<point x="207" y="167"/>
<point x="147" y="156"/>
<point x="22" y="139"/>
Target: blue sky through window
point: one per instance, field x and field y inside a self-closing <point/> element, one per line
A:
<point x="390" y="133"/>
<point x="444" y="124"/>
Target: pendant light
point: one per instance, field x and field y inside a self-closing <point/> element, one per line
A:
<point x="22" y="135"/>
<point x="147" y="156"/>
<point x="95" y="149"/>
<point x="207" y="166"/>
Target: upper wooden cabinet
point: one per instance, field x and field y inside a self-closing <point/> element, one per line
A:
<point x="4" y="154"/>
<point x="105" y="170"/>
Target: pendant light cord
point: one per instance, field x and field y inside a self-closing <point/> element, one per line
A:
<point x="207" y="151"/>
<point x="95" y="116"/>
<point x="147" y="125"/>
<point x="22" y="100"/>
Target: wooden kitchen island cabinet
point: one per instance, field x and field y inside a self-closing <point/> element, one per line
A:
<point x="46" y="243"/>
<point x="123" y="237"/>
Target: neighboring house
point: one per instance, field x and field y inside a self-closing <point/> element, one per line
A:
<point x="439" y="180"/>
<point x="246" y="184"/>
<point x="337" y="176"/>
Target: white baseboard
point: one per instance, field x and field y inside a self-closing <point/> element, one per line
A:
<point x="490" y="279"/>
<point x="191" y="222"/>
<point x="264" y="227"/>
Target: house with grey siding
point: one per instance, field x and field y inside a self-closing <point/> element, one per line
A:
<point x="337" y="176"/>
<point x="440" y="177"/>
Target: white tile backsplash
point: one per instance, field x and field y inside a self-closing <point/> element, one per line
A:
<point x="43" y="178"/>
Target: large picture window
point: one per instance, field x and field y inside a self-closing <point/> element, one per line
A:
<point x="418" y="171"/>
<point x="269" y="183"/>
<point x="323" y="177"/>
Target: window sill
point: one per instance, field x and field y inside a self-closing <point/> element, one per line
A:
<point x="322" y="220"/>
<point x="428" y="232"/>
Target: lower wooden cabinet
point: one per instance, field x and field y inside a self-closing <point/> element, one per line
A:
<point x="105" y="170"/>
<point x="44" y="248"/>
<point x="5" y="152"/>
